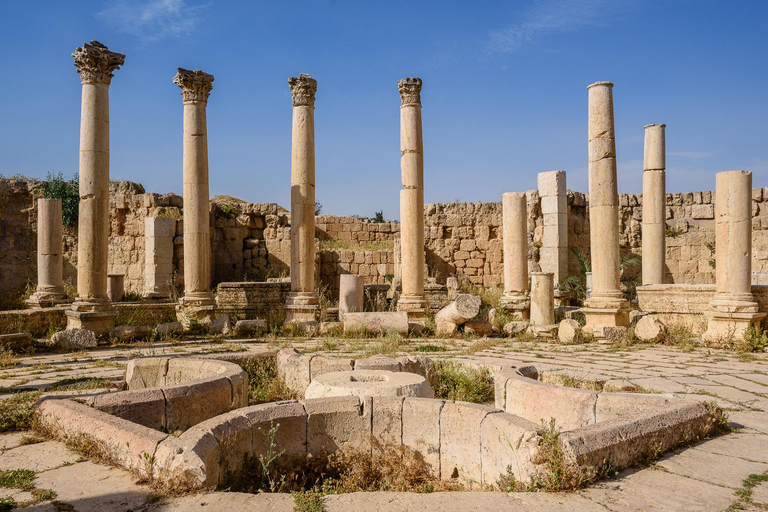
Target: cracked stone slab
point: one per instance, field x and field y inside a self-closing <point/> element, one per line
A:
<point x="717" y="469"/>
<point x="225" y="502"/>
<point x="91" y="487"/>
<point x="37" y="457"/>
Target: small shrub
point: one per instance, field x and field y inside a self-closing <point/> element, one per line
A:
<point x="17" y="479"/>
<point x="308" y="501"/>
<point x="681" y="336"/>
<point x="754" y="340"/>
<point x="454" y="381"/>
<point x="7" y="358"/>
<point x="263" y="383"/>
<point x="672" y="232"/>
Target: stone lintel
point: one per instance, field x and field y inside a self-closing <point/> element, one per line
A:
<point x="95" y="63"/>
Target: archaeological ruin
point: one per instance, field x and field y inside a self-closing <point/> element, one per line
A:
<point x="214" y="334"/>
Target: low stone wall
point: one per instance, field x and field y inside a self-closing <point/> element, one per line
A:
<point x="252" y="300"/>
<point x="172" y="394"/>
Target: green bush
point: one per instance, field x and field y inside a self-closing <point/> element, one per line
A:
<point x="56" y="187"/>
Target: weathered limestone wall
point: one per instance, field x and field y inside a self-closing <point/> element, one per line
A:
<point x="252" y="240"/>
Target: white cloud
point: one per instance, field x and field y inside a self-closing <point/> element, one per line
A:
<point x="152" y="19"/>
<point x="549" y="16"/>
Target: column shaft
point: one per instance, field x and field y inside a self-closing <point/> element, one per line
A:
<point x="515" y="239"/>
<point x="303" y="199"/>
<point x="413" y="298"/>
<point x="654" y="205"/>
<point x="733" y="232"/>
<point x="50" y="278"/>
<point x="554" y="209"/>
<point x="542" y="298"/>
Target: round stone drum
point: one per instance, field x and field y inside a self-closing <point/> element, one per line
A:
<point x="369" y="383"/>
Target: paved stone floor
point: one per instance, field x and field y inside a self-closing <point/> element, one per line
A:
<point x="703" y="477"/>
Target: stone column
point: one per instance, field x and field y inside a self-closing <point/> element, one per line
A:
<point x="158" y="256"/>
<point x="351" y="294"/>
<point x="554" y="209"/>
<point x="198" y="302"/>
<point x="654" y="205"/>
<point x="92" y="309"/>
<point x="514" y="207"/>
<point x="413" y="299"/>
<point x="50" y="270"/>
<point x="733" y="308"/>
<point x="542" y="298"/>
<point x="607" y="306"/>
<point x="302" y="304"/>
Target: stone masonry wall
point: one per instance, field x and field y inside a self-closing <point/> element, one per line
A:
<point x="251" y="241"/>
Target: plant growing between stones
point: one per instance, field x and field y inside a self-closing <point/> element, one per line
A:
<point x="454" y="381"/>
<point x="56" y="187"/>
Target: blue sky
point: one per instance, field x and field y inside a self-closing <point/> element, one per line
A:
<point x="504" y="92"/>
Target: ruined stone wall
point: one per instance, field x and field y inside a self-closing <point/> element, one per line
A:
<point x="252" y="241"/>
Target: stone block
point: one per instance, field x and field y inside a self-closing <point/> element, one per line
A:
<point x="569" y="331"/>
<point x="703" y="211"/>
<point x="387" y="423"/>
<point x="537" y="402"/>
<point x="18" y="342"/>
<point x="251" y="327"/>
<point x="143" y="406"/>
<point x="189" y="404"/>
<point x="320" y="365"/>
<point x="221" y="325"/>
<point x="552" y="183"/>
<point x="421" y="429"/>
<point x="650" y="328"/>
<point x="512" y="329"/>
<point x="460" y="441"/>
<point x="381" y="322"/>
<point x="337" y="422"/>
<point x="377" y="363"/>
<point x="131" y="332"/>
<point x="508" y="441"/>
<point x="289" y="417"/>
<point x="74" y="339"/>
<point x="478" y="327"/>
<point x="611" y="406"/>
<point x="146" y="372"/>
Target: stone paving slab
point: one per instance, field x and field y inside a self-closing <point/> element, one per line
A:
<point x="10" y="440"/>
<point x="225" y="502"/>
<point x="712" y="468"/>
<point x="91" y="487"/>
<point x="37" y="457"/>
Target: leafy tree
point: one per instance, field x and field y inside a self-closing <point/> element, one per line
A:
<point x="318" y="208"/>
<point x="56" y="187"/>
<point x="378" y="217"/>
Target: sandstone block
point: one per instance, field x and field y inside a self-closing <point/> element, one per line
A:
<point x="569" y="331"/>
<point x="378" y="363"/>
<point x="18" y="342"/>
<point x="336" y="422"/>
<point x="536" y="401"/>
<point x="703" y="211"/>
<point x="221" y="325"/>
<point x="611" y="406"/>
<point x="421" y="428"/>
<point x="365" y="383"/>
<point x="650" y="328"/>
<point x="189" y="404"/>
<point x="330" y="328"/>
<point x="387" y="425"/>
<point x="460" y="442"/>
<point x="74" y="339"/>
<point x="320" y="365"/>
<point x="293" y="369"/>
<point x="381" y="322"/>
<point x="508" y="441"/>
<point x="143" y="406"/>
<point x="515" y="328"/>
<point x="250" y="327"/>
<point x="478" y="327"/>
<point x="289" y="417"/>
<point x="131" y="332"/>
<point x="420" y="365"/>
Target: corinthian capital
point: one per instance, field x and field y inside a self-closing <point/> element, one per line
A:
<point x="410" y="91"/>
<point x="95" y="63"/>
<point x="303" y="89"/>
<point x="195" y="85"/>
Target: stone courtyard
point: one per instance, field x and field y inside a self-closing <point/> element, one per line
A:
<point x="554" y="350"/>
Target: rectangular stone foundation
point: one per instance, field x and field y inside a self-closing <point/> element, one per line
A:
<point x="100" y="322"/>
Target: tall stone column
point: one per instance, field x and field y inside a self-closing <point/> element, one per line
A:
<point x="158" y="256"/>
<point x="50" y="268"/>
<point x="514" y="207"/>
<point x="554" y="210"/>
<point x="198" y="302"/>
<point x="607" y="306"/>
<point x="542" y="299"/>
<point x="413" y="299"/>
<point x="733" y="308"/>
<point x="92" y="309"/>
<point x="302" y="304"/>
<point x="654" y="205"/>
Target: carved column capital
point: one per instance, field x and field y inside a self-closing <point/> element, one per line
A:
<point x="410" y="91"/>
<point x="195" y="85"/>
<point x="303" y="89"/>
<point x="95" y="63"/>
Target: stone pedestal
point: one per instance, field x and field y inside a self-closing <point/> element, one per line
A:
<point x="654" y="205"/>
<point x="115" y="287"/>
<point x="554" y="209"/>
<point x="158" y="256"/>
<point x="50" y="282"/>
<point x="302" y="305"/>
<point x="198" y="304"/>
<point x="413" y="299"/>
<point x="733" y="308"/>
<point x="606" y="306"/>
<point x="351" y="294"/>
<point x="92" y="309"/>
<point x="515" y="240"/>
<point x="542" y="298"/>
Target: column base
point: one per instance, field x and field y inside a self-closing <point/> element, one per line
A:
<point x="97" y="315"/>
<point x="724" y="327"/>
<point x="195" y="310"/>
<point x="610" y="314"/>
<point x="517" y="304"/>
<point x="47" y="299"/>
<point x="302" y="309"/>
<point x="416" y="306"/>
